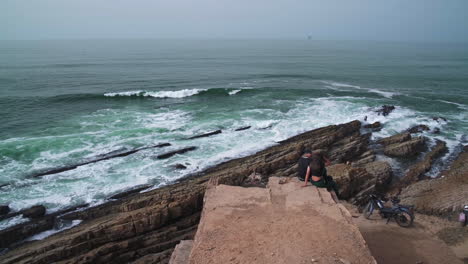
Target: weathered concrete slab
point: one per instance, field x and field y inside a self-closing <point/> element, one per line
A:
<point x="283" y="223"/>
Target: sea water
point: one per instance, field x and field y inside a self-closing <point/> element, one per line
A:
<point x="63" y="102"/>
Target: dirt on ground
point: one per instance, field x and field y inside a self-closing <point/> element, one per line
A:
<point x="430" y="240"/>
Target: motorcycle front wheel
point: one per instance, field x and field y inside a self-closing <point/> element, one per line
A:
<point x="368" y="210"/>
<point x="404" y="219"/>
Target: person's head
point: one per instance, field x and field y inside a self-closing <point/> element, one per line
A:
<point x="307" y="153"/>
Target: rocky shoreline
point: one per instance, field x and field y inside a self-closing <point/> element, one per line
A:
<point x="145" y="227"/>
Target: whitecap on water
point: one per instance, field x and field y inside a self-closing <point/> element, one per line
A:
<point x="159" y="94"/>
<point x="233" y="92"/>
<point x="338" y="87"/>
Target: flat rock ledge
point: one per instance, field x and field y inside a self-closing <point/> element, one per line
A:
<point x="283" y="223"/>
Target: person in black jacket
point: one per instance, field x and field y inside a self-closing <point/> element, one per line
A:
<point x="303" y="164"/>
<point x="316" y="173"/>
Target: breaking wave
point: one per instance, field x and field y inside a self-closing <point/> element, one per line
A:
<point x="161" y="94"/>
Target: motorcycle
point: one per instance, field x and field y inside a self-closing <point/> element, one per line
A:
<point x="403" y="215"/>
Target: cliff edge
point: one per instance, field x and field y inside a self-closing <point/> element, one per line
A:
<point x="283" y="223"/>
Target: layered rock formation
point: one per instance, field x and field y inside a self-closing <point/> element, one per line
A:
<point x="443" y="196"/>
<point x="145" y="227"/>
<point x="152" y="223"/>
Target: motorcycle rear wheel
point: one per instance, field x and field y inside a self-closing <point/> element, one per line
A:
<point x="404" y="219"/>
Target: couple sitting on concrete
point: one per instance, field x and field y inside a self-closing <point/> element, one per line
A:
<point x="312" y="168"/>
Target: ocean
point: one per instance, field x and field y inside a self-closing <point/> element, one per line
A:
<point x="63" y="102"/>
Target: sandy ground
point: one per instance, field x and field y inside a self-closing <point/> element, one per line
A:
<point x="421" y="243"/>
<point x="283" y="223"/>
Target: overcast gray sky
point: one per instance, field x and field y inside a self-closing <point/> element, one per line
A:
<point x="396" y="20"/>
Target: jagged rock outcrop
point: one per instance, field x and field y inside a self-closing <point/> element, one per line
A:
<point x="398" y="138"/>
<point x="358" y="182"/>
<point x="373" y="125"/>
<point x="206" y="134"/>
<point x="445" y="195"/>
<point x="36" y="225"/>
<point x="350" y="180"/>
<point x="416" y="171"/>
<point x="405" y="149"/>
<point x="364" y="158"/>
<point x="283" y="223"/>
<point x="382" y="175"/>
<point x="152" y="223"/>
<point x="4" y="209"/>
<point x="172" y="153"/>
<point x="35" y="211"/>
<point x="242" y="128"/>
<point x="179" y="166"/>
<point x="385" y="110"/>
<point x="418" y="129"/>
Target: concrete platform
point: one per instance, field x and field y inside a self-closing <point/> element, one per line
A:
<point x="283" y="223"/>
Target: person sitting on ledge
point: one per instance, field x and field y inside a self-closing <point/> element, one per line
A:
<point x="316" y="173"/>
<point x="303" y="164"/>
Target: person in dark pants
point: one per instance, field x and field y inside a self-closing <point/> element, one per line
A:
<point x="317" y="174"/>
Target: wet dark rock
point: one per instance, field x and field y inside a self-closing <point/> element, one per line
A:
<point x="398" y="138"/>
<point x="17" y="233"/>
<point x="9" y="215"/>
<point x="4" y="209"/>
<point x="34" y="212"/>
<point x="242" y="128"/>
<point x="107" y="156"/>
<point x="267" y="127"/>
<point x="133" y="190"/>
<point x="206" y="135"/>
<point x="172" y="153"/>
<point x="418" y="129"/>
<point x="179" y="166"/>
<point x="375" y="125"/>
<point x="22" y="231"/>
<point x="410" y="148"/>
<point x="439" y="118"/>
<point x="436" y="130"/>
<point x="385" y="110"/>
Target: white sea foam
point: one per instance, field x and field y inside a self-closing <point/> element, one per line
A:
<point x="48" y="233"/>
<point x="233" y="92"/>
<point x="460" y="106"/>
<point x="12" y="221"/>
<point x="159" y="94"/>
<point x="383" y="93"/>
<point x="95" y="182"/>
<point x="338" y="86"/>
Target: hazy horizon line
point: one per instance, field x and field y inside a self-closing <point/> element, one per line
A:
<point x="241" y="38"/>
